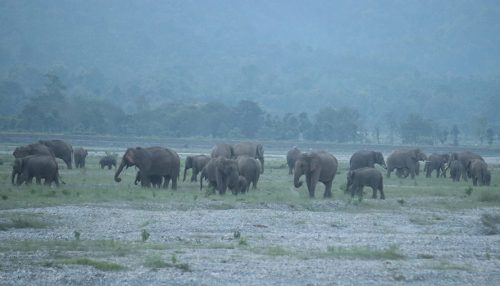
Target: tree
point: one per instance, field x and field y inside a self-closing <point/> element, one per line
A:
<point x="415" y="129"/>
<point x="248" y="118"/>
<point x="490" y="135"/>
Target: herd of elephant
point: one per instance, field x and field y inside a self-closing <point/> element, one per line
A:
<point x="236" y="167"/>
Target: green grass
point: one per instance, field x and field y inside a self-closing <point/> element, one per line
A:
<point x="99" y="265"/>
<point x="491" y="222"/>
<point x="22" y="221"/>
<point x="96" y="186"/>
<point x="444" y="265"/>
<point x="156" y="262"/>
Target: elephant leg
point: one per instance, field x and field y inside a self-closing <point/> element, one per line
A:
<point x="381" y="189"/>
<point x="174" y="183"/>
<point x="38" y="180"/>
<point x="328" y="189"/>
<point x="194" y="174"/>
<point x="474" y="181"/>
<point x="374" y="194"/>
<point x="309" y="187"/>
<point x="145" y="181"/>
<point x="389" y="172"/>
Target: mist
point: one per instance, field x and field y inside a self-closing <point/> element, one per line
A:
<point x="304" y="66"/>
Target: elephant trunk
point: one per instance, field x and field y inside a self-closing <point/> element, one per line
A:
<point x="119" y="170"/>
<point x="296" y="181"/>
<point x="185" y="170"/>
<point x="261" y="165"/>
<point x="13" y="176"/>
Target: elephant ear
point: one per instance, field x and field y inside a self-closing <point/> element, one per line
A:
<point x="130" y="156"/>
<point x="313" y="162"/>
<point x="260" y="151"/>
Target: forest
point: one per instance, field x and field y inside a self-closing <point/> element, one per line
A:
<point x="417" y="72"/>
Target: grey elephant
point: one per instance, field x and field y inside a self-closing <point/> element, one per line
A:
<point x="464" y="158"/>
<point x="152" y="161"/>
<point x="251" y="149"/>
<point x="436" y="162"/>
<point x="242" y="184"/>
<point x="366" y="176"/>
<point x="196" y="163"/>
<point x="291" y="157"/>
<point x="317" y="167"/>
<point x="107" y="161"/>
<point x="32" y="149"/>
<point x="156" y="180"/>
<point x="80" y="155"/>
<point x="249" y="168"/>
<point x="221" y="173"/>
<point x="477" y="170"/>
<point x="222" y="150"/>
<point x="456" y="170"/>
<point x="366" y="159"/>
<point x="61" y="150"/>
<point x="35" y="166"/>
<point x="405" y="159"/>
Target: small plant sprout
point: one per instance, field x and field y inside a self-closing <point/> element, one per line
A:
<point x="144" y="235"/>
<point x="76" y="233"/>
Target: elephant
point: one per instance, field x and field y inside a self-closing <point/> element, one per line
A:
<point x="108" y="161"/>
<point x="254" y="150"/>
<point x="152" y="161"/>
<point x="317" y="166"/>
<point x="249" y="168"/>
<point x="291" y="157"/>
<point x="155" y="180"/>
<point x="32" y="149"/>
<point x="38" y="166"/>
<point x="221" y="173"/>
<point x="61" y="150"/>
<point x="405" y="159"/>
<point x="366" y="176"/>
<point x="487" y="178"/>
<point x="366" y="159"/>
<point x="242" y="184"/>
<point x="196" y="163"/>
<point x="478" y="171"/>
<point x="436" y="162"/>
<point x="464" y="158"/>
<point x="80" y="154"/>
<point x="223" y="150"/>
<point x="456" y="170"/>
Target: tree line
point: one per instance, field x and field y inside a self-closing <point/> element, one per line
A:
<point x="52" y="110"/>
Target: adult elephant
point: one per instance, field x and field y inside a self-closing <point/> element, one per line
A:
<point x="405" y="159"/>
<point x="152" y="161"/>
<point x="366" y="176"/>
<point x="291" y="157"/>
<point x="464" y="158"/>
<point x="32" y="149"/>
<point x="365" y="158"/>
<point x="436" y="162"/>
<point x="251" y="149"/>
<point x="317" y="167"/>
<point x="61" y="150"/>
<point x="478" y="170"/>
<point x="456" y="170"/>
<point x="196" y="163"/>
<point x="35" y="166"/>
<point x="221" y="174"/>
<point x="80" y="155"/>
<point x="249" y="168"/>
<point x="222" y="150"/>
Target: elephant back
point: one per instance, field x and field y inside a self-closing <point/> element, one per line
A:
<point x="222" y="150"/>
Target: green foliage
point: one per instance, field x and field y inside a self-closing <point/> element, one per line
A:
<point x="100" y="265"/>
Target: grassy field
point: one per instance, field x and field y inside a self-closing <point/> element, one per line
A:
<point x="95" y="185"/>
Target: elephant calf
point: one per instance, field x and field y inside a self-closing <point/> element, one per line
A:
<point x="196" y="163"/>
<point x="156" y="180"/>
<point x="367" y="176"/>
<point x="108" y="161"/>
<point x="80" y="155"/>
<point x="291" y="157"/>
<point x="250" y="169"/>
<point x="455" y="170"/>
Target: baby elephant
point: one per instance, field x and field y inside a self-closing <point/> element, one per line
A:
<point x="367" y="176"/>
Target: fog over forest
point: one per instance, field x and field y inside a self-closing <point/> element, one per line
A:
<point x="423" y="72"/>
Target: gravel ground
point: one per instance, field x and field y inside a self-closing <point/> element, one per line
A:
<point x="278" y="245"/>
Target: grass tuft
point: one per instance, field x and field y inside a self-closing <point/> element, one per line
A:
<point x="490" y="222"/>
<point x="23" y="222"/>
<point x="391" y="253"/>
<point x="100" y="265"/>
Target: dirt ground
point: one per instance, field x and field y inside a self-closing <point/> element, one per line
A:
<point x="263" y="245"/>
